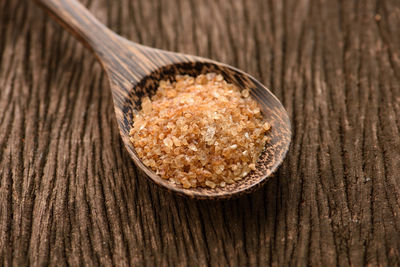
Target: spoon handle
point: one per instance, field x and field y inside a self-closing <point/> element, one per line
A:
<point x="75" y="18"/>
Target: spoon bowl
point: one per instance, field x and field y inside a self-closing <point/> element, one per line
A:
<point x="134" y="71"/>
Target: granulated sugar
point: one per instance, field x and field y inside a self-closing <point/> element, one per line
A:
<point x="200" y="131"/>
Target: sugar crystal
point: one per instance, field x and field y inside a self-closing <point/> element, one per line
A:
<point x="199" y="131"/>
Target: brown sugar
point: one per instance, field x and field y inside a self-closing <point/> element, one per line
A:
<point x="200" y="131"/>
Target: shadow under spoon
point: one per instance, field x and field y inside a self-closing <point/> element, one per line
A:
<point x="135" y="70"/>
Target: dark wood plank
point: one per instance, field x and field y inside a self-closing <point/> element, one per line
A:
<point x="69" y="193"/>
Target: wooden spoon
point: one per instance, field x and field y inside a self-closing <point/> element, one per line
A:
<point x="134" y="71"/>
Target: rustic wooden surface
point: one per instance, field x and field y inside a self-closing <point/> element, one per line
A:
<point x="70" y="194"/>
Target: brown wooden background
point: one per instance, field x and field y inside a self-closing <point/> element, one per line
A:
<point x="70" y="195"/>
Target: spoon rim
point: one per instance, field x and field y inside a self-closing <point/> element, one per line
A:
<point x="221" y="194"/>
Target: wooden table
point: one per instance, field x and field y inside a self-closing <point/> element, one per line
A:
<point x="70" y="194"/>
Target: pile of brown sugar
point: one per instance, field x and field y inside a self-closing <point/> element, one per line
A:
<point x="199" y="131"/>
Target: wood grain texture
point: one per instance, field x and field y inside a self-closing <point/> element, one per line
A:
<point x="70" y="194"/>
